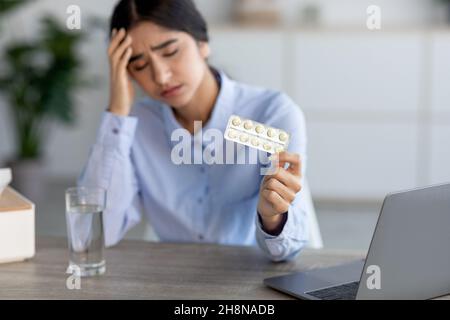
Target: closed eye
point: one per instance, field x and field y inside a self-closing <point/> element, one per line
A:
<point x="166" y="55"/>
<point x="139" y="68"/>
<point x="170" y="54"/>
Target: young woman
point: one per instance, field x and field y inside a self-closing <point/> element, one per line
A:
<point x="162" y="45"/>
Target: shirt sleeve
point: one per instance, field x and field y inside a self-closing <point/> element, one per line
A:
<point x="295" y="234"/>
<point x="110" y="166"/>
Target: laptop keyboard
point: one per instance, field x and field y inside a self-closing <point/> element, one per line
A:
<point x="345" y="291"/>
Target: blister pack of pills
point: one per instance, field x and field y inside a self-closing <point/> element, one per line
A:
<point x="256" y="135"/>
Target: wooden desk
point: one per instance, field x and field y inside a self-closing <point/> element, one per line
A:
<point x="145" y="270"/>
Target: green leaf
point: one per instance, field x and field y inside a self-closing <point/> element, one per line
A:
<point x="39" y="81"/>
<point x="7" y="6"/>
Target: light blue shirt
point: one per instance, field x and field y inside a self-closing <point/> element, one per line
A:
<point x="214" y="203"/>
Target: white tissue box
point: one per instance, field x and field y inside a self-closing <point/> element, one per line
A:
<point x="5" y="178"/>
<point x="17" y="227"/>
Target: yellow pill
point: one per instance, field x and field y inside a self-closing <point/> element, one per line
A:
<point x="232" y="134"/>
<point x="255" y="142"/>
<point x="259" y="129"/>
<point x="236" y="121"/>
<point x="248" y="125"/>
<point x="243" y="138"/>
<point x="266" y="146"/>
<point x="283" y="136"/>
<point x="270" y="132"/>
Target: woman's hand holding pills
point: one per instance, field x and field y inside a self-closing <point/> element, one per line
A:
<point x="278" y="191"/>
<point x="121" y="88"/>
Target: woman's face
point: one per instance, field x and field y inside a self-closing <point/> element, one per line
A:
<point x="169" y="65"/>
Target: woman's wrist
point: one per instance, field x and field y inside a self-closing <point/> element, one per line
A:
<point x="118" y="111"/>
<point x="273" y="225"/>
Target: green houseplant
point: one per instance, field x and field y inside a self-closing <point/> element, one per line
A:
<point x="8" y="6"/>
<point x="38" y="82"/>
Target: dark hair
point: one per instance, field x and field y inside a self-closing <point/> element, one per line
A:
<point x="180" y="15"/>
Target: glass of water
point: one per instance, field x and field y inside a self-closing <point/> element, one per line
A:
<point x="84" y="217"/>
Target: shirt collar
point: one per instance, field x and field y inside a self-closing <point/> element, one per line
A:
<point x="222" y="109"/>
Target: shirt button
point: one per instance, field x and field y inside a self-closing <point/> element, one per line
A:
<point x="199" y="200"/>
<point x="115" y="131"/>
<point x="202" y="169"/>
<point x="200" y="237"/>
<point x="206" y="189"/>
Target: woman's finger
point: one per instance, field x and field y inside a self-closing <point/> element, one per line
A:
<point x="119" y="52"/>
<point x="287" y="194"/>
<point x="287" y="178"/>
<point x="275" y="200"/>
<point x="116" y="39"/>
<point x="123" y="63"/>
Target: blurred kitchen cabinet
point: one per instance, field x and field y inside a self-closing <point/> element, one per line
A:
<point x="358" y="71"/>
<point x="349" y="160"/>
<point x="251" y="56"/>
<point x="440" y="153"/>
<point x="440" y="108"/>
<point x="363" y="91"/>
<point x="440" y="73"/>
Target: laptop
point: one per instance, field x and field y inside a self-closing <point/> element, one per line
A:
<point x="408" y="257"/>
